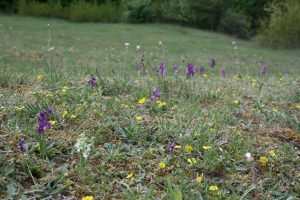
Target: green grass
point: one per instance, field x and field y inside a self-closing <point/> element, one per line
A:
<point x="47" y="67"/>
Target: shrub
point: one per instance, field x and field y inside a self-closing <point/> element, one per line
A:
<point x="282" y="29"/>
<point x="138" y="11"/>
<point x="236" y="24"/>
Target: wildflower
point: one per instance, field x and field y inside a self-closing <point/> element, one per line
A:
<point x="223" y="72"/>
<point x="161" y="165"/>
<point x="64" y="90"/>
<point x="192" y="161"/>
<point x="73" y="116"/>
<point x="274" y="110"/>
<point x="39" y="77"/>
<point x="272" y="153"/>
<point x="177" y="146"/>
<point x="213" y="62"/>
<point x="171" y="146"/>
<point x="22" y="146"/>
<point x="138" y="47"/>
<point x="173" y="107"/>
<point x="92" y="81"/>
<point x="161" y="103"/>
<point x="175" y="70"/>
<point x="43" y="121"/>
<point x="143" y="100"/>
<point x="51" y="49"/>
<point x="263" y="160"/>
<point x="88" y="198"/>
<point x="70" y="182"/>
<point x="138" y="118"/>
<point x="162" y="69"/>
<point x="126" y="44"/>
<point x="204" y="75"/>
<point x="206" y="147"/>
<point x="129" y="176"/>
<point x="83" y="145"/>
<point x="189" y="148"/>
<point x="190" y="70"/>
<point x="297" y="106"/>
<point x="156" y="93"/>
<point x="265" y="70"/>
<point x="237" y="77"/>
<point x="249" y="157"/>
<point x="200" y="70"/>
<point x="52" y="122"/>
<point x="235" y="102"/>
<point x="20" y="107"/>
<point x="213" y="188"/>
<point x="199" y="178"/>
<point x="64" y="114"/>
<point x="160" y="43"/>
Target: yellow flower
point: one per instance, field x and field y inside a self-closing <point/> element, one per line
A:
<point x="39" y="77"/>
<point x="263" y="160"/>
<point x="138" y="118"/>
<point x="272" y="153"/>
<point x="218" y="91"/>
<point x="143" y="100"/>
<point x="161" y="103"/>
<point x="161" y="165"/>
<point x="129" y="176"/>
<point x="73" y="116"/>
<point x="177" y="146"/>
<point x="52" y="122"/>
<point x="88" y="198"/>
<point x="206" y="147"/>
<point x="199" y="178"/>
<point x="64" y="89"/>
<point x="20" y="107"/>
<point x="189" y="148"/>
<point x="204" y="75"/>
<point x="236" y="102"/>
<point x="274" y="110"/>
<point x="64" y="114"/>
<point x="297" y="106"/>
<point x="213" y="188"/>
<point x="239" y="133"/>
<point x="173" y="107"/>
<point x="281" y="78"/>
<point x="192" y="161"/>
<point x="70" y="182"/>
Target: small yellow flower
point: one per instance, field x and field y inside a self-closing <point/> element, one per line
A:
<point x="218" y="91"/>
<point x="39" y="77"/>
<point x="274" y="110"/>
<point x="192" y="161"/>
<point x="73" y="116"/>
<point x="263" y="160"/>
<point x="239" y="133"/>
<point x="138" y="118"/>
<point x="129" y="176"/>
<point x="88" y="198"/>
<point x="297" y="106"/>
<point x="64" y="90"/>
<point x="213" y="188"/>
<point x="235" y="102"/>
<point x="52" y="122"/>
<point x="272" y="153"/>
<point x="281" y="78"/>
<point x="189" y="148"/>
<point x="204" y="75"/>
<point x="206" y="147"/>
<point x="177" y="146"/>
<point x="143" y="100"/>
<point x="161" y="103"/>
<point x="70" y="182"/>
<point x="20" y="107"/>
<point x="161" y="165"/>
<point x="174" y="107"/>
<point x="199" y="178"/>
<point x="64" y="114"/>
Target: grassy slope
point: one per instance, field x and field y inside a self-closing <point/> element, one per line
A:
<point x="233" y="115"/>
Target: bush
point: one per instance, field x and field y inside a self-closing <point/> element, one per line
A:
<point x="236" y="24"/>
<point x="138" y="11"/>
<point x="282" y="29"/>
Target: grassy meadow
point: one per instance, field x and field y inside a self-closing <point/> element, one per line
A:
<point x="110" y="111"/>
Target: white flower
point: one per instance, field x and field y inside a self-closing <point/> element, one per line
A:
<point x="126" y="44"/>
<point x="83" y="145"/>
<point x="249" y="157"/>
<point x="159" y="43"/>
<point x="138" y="47"/>
<point x="233" y="42"/>
<point x="235" y="48"/>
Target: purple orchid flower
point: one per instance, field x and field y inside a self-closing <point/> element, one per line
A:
<point x="265" y="70"/>
<point x="156" y="93"/>
<point x="200" y="70"/>
<point x="162" y="70"/>
<point x="171" y="146"/>
<point x="21" y="146"/>
<point x="190" y="70"/>
<point x="43" y="121"/>
<point x="213" y="62"/>
<point x="223" y="72"/>
<point x="92" y="81"/>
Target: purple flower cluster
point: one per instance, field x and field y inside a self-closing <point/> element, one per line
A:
<point x="22" y="146"/>
<point x="92" y="81"/>
<point x="162" y="70"/>
<point x="223" y="72"/>
<point x="43" y="121"/>
<point x="155" y="93"/>
<point x="265" y="70"/>
<point x="213" y="62"/>
<point x="171" y="146"/>
<point x="190" y="70"/>
<point x="200" y="70"/>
